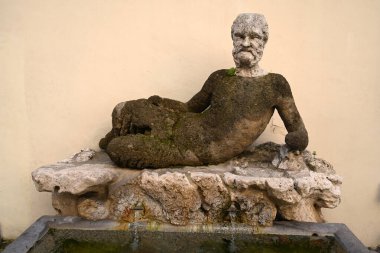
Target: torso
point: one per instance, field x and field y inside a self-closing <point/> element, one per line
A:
<point x="240" y="109"/>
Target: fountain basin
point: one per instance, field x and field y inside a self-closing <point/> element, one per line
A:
<point x="74" y="234"/>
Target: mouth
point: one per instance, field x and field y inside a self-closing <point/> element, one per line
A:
<point x="249" y="50"/>
<point x="246" y="53"/>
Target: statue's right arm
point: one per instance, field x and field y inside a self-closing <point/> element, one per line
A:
<point x="297" y="137"/>
<point x="200" y="101"/>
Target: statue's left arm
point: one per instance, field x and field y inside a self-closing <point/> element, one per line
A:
<point x="200" y="101"/>
<point x="297" y="137"/>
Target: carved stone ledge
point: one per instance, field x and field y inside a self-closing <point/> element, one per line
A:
<point x="258" y="186"/>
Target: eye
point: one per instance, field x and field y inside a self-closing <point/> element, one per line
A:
<point x="255" y="36"/>
<point x="239" y="35"/>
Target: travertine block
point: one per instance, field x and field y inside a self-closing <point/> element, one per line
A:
<point x="254" y="187"/>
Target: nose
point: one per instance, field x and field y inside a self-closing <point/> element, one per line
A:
<point x="246" y="42"/>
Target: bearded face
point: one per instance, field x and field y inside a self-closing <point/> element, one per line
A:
<point x="249" y="35"/>
<point x="248" y="47"/>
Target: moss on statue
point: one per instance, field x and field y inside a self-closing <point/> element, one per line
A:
<point x="218" y="123"/>
<point x="230" y="111"/>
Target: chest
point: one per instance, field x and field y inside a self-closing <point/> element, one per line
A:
<point x="244" y="93"/>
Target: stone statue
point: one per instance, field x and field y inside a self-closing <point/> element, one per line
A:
<point x="219" y="122"/>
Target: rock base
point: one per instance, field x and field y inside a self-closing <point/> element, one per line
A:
<point x="255" y="188"/>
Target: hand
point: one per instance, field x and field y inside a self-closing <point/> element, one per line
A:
<point x="297" y="140"/>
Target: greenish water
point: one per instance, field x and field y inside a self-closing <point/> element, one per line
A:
<point x="93" y="247"/>
<point x="3" y="244"/>
<point x="209" y="246"/>
<point x="114" y="241"/>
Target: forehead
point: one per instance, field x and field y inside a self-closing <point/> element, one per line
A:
<point x="248" y="29"/>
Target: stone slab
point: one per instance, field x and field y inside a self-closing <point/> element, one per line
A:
<point x="261" y="184"/>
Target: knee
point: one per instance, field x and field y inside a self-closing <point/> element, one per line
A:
<point x="128" y="152"/>
<point x="117" y="149"/>
<point x="103" y="143"/>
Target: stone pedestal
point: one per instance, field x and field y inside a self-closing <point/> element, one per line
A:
<point x="261" y="184"/>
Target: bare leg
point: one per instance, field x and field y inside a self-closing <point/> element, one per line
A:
<point x="142" y="151"/>
<point x="154" y="116"/>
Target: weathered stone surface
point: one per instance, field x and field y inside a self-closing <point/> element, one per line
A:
<point x="178" y="197"/>
<point x="249" y="34"/>
<point x="93" y="209"/>
<point x="218" y="123"/>
<point x="255" y="186"/>
<point x="65" y="203"/>
<point x="216" y="197"/>
<point x="76" y="175"/>
<point x="255" y="207"/>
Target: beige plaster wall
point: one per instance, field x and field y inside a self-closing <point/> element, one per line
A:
<point x="64" y="64"/>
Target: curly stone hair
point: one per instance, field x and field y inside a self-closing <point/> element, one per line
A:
<point x="251" y="19"/>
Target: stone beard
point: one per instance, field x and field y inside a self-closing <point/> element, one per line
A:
<point x="216" y="124"/>
<point x="249" y="34"/>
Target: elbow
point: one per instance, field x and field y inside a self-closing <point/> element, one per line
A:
<point x="189" y="107"/>
<point x="193" y="108"/>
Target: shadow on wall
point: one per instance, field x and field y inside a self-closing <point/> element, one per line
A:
<point x="378" y="193"/>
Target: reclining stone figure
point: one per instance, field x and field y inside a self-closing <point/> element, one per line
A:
<point x="219" y="122"/>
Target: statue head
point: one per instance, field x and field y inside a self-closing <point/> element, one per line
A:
<point x="249" y="34"/>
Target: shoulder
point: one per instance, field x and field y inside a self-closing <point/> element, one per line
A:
<point x="219" y="73"/>
<point x="280" y="84"/>
<point x="278" y="78"/>
<point x="214" y="78"/>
